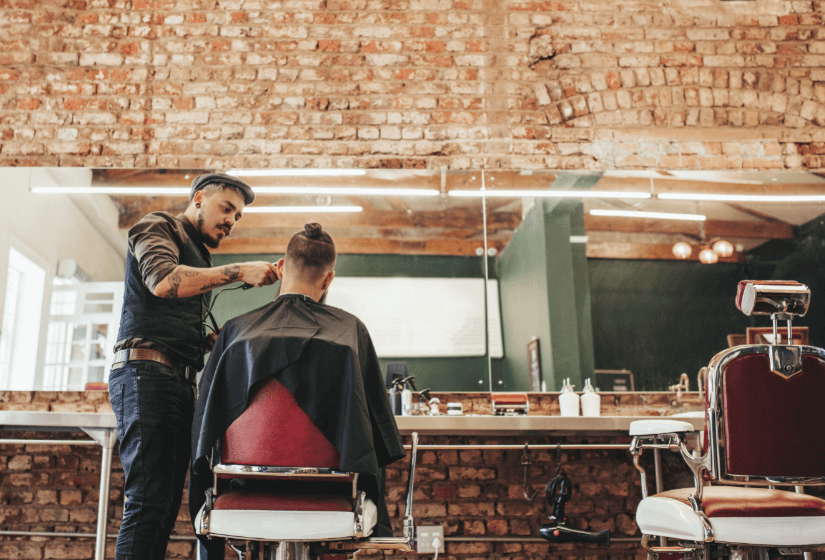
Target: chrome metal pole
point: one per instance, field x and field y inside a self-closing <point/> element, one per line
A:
<point x="48" y="442"/>
<point x="455" y="538"/>
<point x="657" y="469"/>
<point x="568" y="446"/>
<point x="801" y="490"/>
<point x="103" y="504"/>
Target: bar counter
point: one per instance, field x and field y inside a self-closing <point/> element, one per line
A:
<point x="523" y="425"/>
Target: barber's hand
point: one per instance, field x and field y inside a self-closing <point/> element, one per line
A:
<point x="210" y="340"/>
<point x="259" y="273"/>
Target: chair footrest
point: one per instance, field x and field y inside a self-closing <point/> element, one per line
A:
<point x="285" y="524"/>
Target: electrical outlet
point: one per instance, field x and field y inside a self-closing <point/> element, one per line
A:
<point x="425" y="535"/>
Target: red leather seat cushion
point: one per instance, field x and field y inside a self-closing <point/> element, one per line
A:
<point x="727" y="501"/>
<point x="272" y="501"/>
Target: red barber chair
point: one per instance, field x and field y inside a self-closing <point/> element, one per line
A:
<point x="311" y="501"/>
<point x="765" y="415"/>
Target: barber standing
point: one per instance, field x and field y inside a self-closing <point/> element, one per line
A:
<point x="160" y="348"/>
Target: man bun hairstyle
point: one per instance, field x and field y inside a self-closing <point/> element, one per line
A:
<point x="311" y="252"/>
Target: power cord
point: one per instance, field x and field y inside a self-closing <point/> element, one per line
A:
<point x="436" y="546"/>
<point x="214" y="326"/>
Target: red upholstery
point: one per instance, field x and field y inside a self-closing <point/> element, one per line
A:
<point x="245" y="500"/>
<point x="773" y="425"/>
<point x="728" y="501"/>
<point x="274" y="431"/>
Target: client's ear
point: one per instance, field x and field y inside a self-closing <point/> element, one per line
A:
<point x="328" y="280"/>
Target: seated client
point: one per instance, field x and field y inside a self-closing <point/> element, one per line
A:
<point x="324" y="356"/>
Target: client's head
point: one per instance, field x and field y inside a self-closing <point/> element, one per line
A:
<point x="307" y="267"/>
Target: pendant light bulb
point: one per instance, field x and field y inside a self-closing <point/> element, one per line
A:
<point x="707" y="256"/>
<point x="682" y="250"/>
<point x="723" y="248"/>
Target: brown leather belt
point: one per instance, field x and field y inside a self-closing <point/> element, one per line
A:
<point x="145" y="354"/>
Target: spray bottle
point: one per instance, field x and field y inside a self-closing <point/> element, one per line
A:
<point x="591" y="401"/>
<point x="406" y="395"/>
<point x="568" y="400"/>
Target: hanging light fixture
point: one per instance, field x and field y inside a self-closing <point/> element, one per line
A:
<point x="682" y="250"/>
<point x="707" y="256"/>
<point x="723" y="248"/>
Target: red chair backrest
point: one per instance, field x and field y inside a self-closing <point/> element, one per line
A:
<point x="274" y="431"/>
<point x="773" y="425"/>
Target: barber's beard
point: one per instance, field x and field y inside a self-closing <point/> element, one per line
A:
<point x="208" y="241"/>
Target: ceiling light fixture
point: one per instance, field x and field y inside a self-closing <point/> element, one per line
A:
<point x="742" y="197"/>
<point x="364" y="191"/>
<point x="707" y="256"/>
<point x="652" y="215"/>
<point x="722" y="247"/>
<point x="184" y="191"/>
<point x="682" y="250"/>
<point x="163" y="191"/>
<point x="548" y="194"/>
<point x="296" y="172"/>
<point x="300" y="209"/>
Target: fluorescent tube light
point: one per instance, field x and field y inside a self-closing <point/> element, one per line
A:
<point x="300" y="209"/>
<point x="549" y="194"/>
<point x="578" y="239"/>
<point x="168" y="191"/>
<point x="654" y="215"/>
<point x="184" y="191"/>
<point x="743" y="197"/>
<point x="364" y="191"/>
<point x="296" y="172"/>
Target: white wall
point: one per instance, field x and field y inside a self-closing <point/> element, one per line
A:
<point x="55" y="227"/>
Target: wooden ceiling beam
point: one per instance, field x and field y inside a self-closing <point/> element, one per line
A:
<point x="447" y="219"/>
<point x="360" y="245"/>
<point x="712" y="228"/>
<point x="456" y="247"/>
<point x="681" y="185"/>
<point x="757" y="214"/>
<point x="649" y="251"/>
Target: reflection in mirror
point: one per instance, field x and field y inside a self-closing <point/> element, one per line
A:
<point x="410" y="262"/>
<point x="585" y="282"/>
<point x="613" y="282"/>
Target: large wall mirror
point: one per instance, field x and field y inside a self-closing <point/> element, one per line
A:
<point x="502" y="280"/>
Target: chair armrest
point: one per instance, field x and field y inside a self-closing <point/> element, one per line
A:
<point x="657" y="427"/>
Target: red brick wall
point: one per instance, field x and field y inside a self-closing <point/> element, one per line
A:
<point x="471" y="493"/>
<point x="701" y="84"/>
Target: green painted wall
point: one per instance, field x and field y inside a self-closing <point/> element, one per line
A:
<point x="660" y="319"/>
<point x="544" y="294"/>
<point x="443" y="374"/>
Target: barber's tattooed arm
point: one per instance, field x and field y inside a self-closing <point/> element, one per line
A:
<point x="186" y="281"/>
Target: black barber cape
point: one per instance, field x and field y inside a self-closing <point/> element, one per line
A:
<point x="325" y="357"/>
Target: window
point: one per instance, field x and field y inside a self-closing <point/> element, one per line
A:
<point x="25" y="285"/>
<point x="81" y="335"/>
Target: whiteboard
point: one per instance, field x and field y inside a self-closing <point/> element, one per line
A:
<point x="422" y="317"/>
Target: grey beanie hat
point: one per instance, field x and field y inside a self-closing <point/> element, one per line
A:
<point x="201" y="181"/>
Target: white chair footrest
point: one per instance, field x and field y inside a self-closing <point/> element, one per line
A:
<point x="285" y="525"/>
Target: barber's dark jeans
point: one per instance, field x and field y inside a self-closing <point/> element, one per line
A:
<point x="154" y="408"/>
